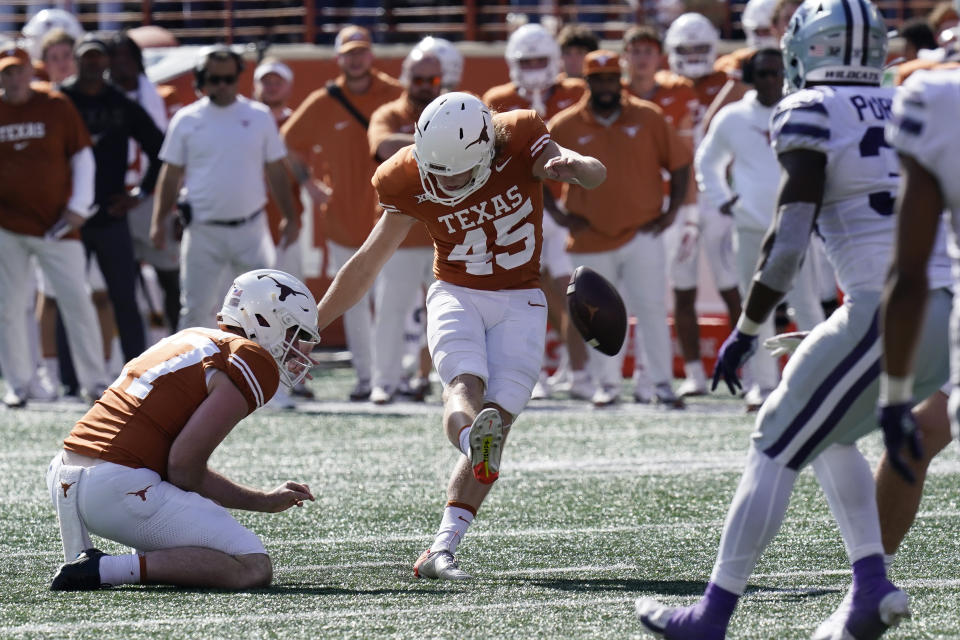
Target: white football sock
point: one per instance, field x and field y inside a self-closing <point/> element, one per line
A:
<point x="465" y="440"/>
<point x="52" y="367"/>
<point x="846" y="480"/>
<point x="453" y="526"/>
<point x="693" y="370"/>
<point x="753" y="519"/>
<point x="124" y="569"/>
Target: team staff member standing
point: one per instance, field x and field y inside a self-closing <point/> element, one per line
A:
<point x="221" y="147"/>
<point x="330" y="143"/>
<point x="622" y="240"/>
<point x="272" y="84"/>
<point x="46" y="181"/>
<point x="113" y="120"/>
<point x="411" y="267"/>
<point x="537" y="82"/>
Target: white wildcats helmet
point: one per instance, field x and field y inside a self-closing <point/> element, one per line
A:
<point x="834" y="41"/>
<point x="451" y="60"/>
<point x="528" y="42"/>
<point x="691" y="44"/>
<point x="758" y="14"/>
<point x="43" y="23"/>
<point x="454" y="135"/>
<point x="278" y="312"/>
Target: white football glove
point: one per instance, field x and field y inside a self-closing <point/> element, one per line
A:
<point x="784" y="344"/>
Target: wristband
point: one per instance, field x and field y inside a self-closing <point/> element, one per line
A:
<point x="748" y="326"/>
<point x="895" y="390"/>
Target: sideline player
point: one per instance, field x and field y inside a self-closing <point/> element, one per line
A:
<point x="134" y="468"/>
<point x="537" y="82"/>
<point x="837" y="173"/>
<point x="475" y="181"/>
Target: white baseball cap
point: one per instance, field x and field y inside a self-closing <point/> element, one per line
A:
<point x="273" y="66"/>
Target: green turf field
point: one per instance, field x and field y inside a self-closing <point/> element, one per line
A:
<point x="594" y="508"/>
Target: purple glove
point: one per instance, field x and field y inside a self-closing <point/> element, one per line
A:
<point x="736" y="349"/>
<point x="900" y="429"/>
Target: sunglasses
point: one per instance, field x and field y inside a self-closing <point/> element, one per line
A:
<point x="221" y="79"/>
<point x="433" y="81"/>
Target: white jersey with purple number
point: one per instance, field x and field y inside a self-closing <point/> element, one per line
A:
<point x="856" y="219"/>
<point x="925" y="112"/>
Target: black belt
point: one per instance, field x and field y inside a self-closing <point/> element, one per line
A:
<point x="236" y="222"/>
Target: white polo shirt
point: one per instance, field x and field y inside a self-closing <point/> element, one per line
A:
<point x="223" y="150"/>
<point x="740" y="135"/>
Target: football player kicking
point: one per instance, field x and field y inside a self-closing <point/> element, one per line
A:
<point x="839" y="173"/>
<point x="475" y="181"/>
<point x="134" y="468"/>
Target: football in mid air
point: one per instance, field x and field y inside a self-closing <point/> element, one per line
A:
<point x="597" y="310"/>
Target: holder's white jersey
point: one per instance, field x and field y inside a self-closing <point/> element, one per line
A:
<point x="856" y="220"/>
<point x="925" y="112"/>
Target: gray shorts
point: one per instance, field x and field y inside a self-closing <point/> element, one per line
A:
<point x="829" y="389"/>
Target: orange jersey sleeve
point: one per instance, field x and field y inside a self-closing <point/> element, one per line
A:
<point x="137" y="419"/>
<point x="732" y="63"/>
<point x="492" y="239"/>
<point x="37" y="141"/>
<point x="907" y="68"/>
<point x="634" y="149"/>
<point x="334" y="144"/>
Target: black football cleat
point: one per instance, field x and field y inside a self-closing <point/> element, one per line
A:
<point x="82" y="574"/>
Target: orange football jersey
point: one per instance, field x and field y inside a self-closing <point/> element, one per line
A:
<point x="139" y="416"/>
<point x="492" y="239"/>
<point x="904" y="70"/>
<point x="396" y="116"/>
<point x="732" y="63"/>
<point x="680" y="104"/>
<point x="565" y="93"/>
<point x="634" y="148"/>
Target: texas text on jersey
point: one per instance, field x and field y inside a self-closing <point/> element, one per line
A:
<point x="492" y="239"/>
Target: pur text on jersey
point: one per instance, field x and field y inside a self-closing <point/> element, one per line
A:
<point x="879" y="107"/>
<point x="466" y="219"/>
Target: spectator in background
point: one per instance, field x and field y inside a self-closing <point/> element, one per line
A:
<point x="622" y="236"/>
<point x="128" y="73"/>
<point x="46" y="193"/>
<point x="272" y="84"/>
<point x="224" y="148"/>
<point x="737" y="145"/>
<point x="576" y="42"/>
<point x="536" y="82"/>
<point x="40" y="24"/>
<point x="691" y="46"/>
<point x="450" y="59"/>
<point x="917" y="35"/>
<point x="56" y="52"/>
<point x="943" y="16"/>
<point x="411" y="266"/>
<point x="331" y="154"/>
<point x="113" y="120"/>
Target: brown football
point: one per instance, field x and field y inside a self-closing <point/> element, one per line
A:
<point x="597" y="310"/>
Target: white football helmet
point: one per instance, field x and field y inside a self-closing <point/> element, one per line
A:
<point x="43" y="23"/>
<point x="279" y="313"/>
<point x="691" y="44"/>
<point x="454" y="135"/>
<point x="451" y="60"/>
<point x="528" y="42"/>
<point x="758" y="14"/>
